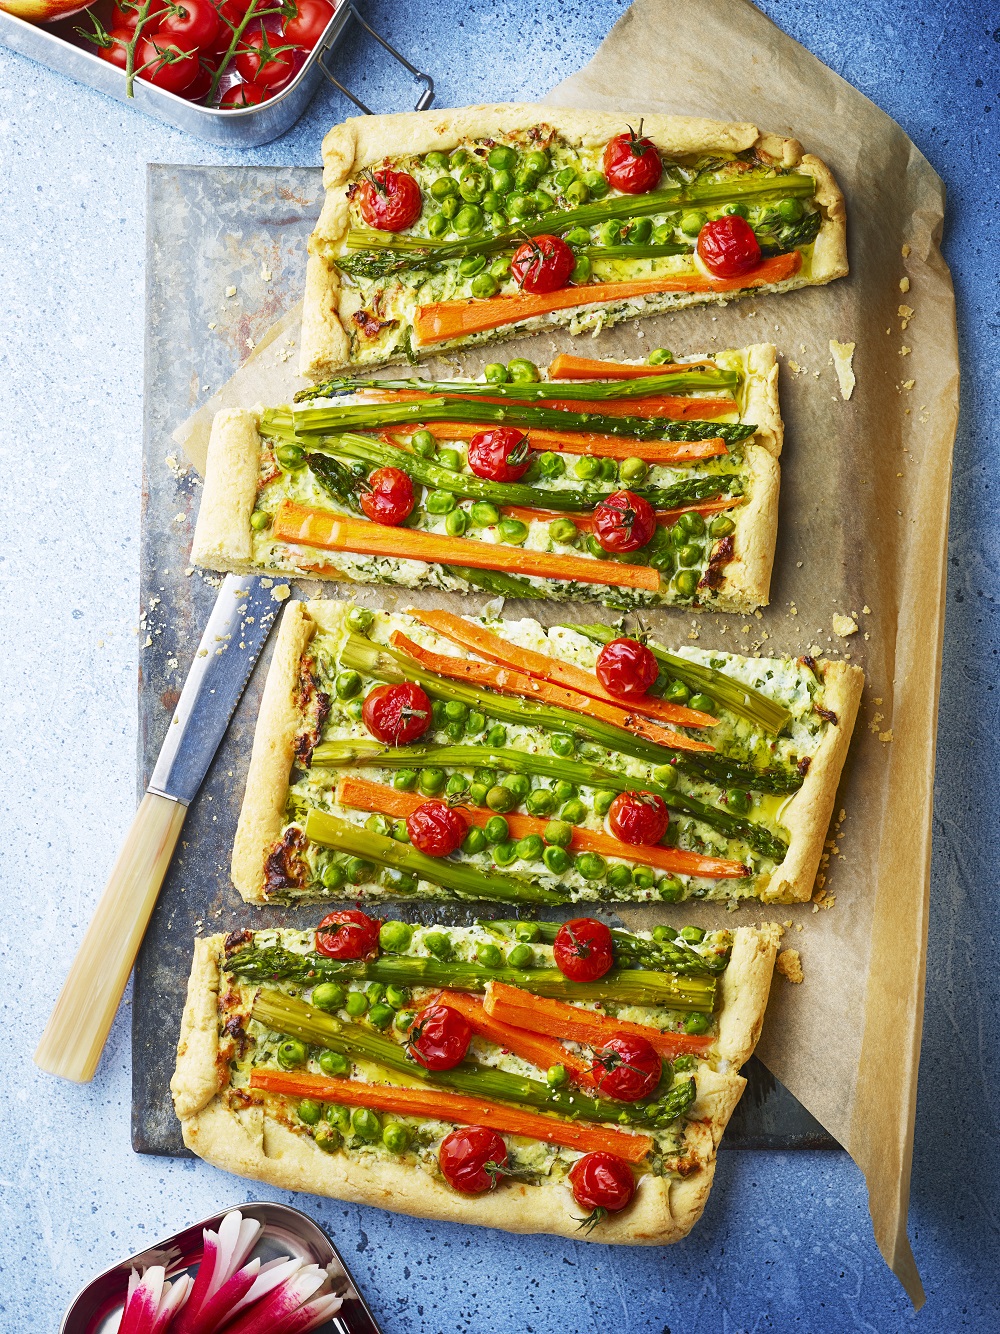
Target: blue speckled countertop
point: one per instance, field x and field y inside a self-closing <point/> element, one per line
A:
<point x="786" y="1241"/>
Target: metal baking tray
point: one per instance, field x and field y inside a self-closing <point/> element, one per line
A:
<point x="285" y="1231"/>
<point x="58" y="46"/>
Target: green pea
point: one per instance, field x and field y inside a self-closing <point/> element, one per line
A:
<point x="558" y="833"/>
<point x="602" y="801"/>
<point x="689" y="554"/>
<point x="492" y="202"/>
<point x="450" y="459"/>
<point x="328" y="996"/>
<point x="474" y="841"/>
<point x="609" y="232"/>
<point x="484" y="286"/>
<point x="381" y="1015"/>
<point x="738" y="801"/>
<point x="512" y="531"/>
<point x="530" y="848"/>
<point x="665" y="775"/>
<point x="333" y="1063"/>
<point x="468" y="219"/>
<point x="575" y="812"/>
<point x="581" y="270"/>
<point x="505" y="854"/>
<point x="525" y="179"/>
<point x="643" y="877"/>
<point x="366" y="1124"/>
<point x="620" y="876"/>
<point x="439" y="944"/>
<point x="456" y="785"/>
<point x="521" y="956"/>
<point x="475" y="723"/>
<point x="634" y="471"/>
<point x="357" y="1004"/>
<point x="437" y="714"/>
<point x="455" y="525"/>
<point x="477" y="793"/>
<point x="639" y="231"/>
<point x="550" y="465"/>
<point x="520" y="205"/>
<point x="500" y="799"/>
<point x="527" y="931"/>
<point x="502" y="156"/>
<point x="486" y="776"/>
<point x="556" y="1076"/>
<point x="397" y="997"/>
<point x="489" y="955"/>
<point x="347" y="685"/>
<point x="577" y="236"/>
<point x="692" y="523"/>
<point x="450" y="207"/>
<point x="473" y="184"/>
<point x="703" y="703"/>
<point x="377" y="824"/>
<point x="518" y="784"/>
<point x="587" y="469"/>
<point x="670" y="889"/>
<point x="722" y="526"/>
<point x="662" y="233"/>
<point x="566" y="177"/>
<point x="471" y="265"/>
<point x="445" y="187"/>
<point x="396" y="1138"/>
<point x="292" y="1052"/>
<point x="556" y="859"/>
<point x="431" y="781"/>
<point x="360" y="619"/>
<point x="403" y="1021"/>
<point x="496" y="737"/>
<point x="543" y="200"/>
<point x="290" y="456"/>
<point x="354" y="709"/>
<point x="358" y="870"/>
<point x="259" y="520"/>
<point x="327" y="1139"/>
<point x="676" y="693"/>
<point x="564" y="791"/>
<point x="577" y="193"/>
<point x="483" y="514"/>
<point x="500" y="269"/>
<point x="691" y="223"/>
<point x="423" y="443"/>
<point x="591" y="866"/>
<point x="333" y="876"/>
<point x="503" y="182"/>
<point x="736" y="211"/>
<point x="523" y="371"/>
<point x="540" y="801"/>
<point x="564" y="531"/>
<point x="438" y="225"/>
<point x="458" y="157"/>
<point x="562" y="744"/>
<point x="405" y="780"/>
<point x="686" y="583"/>
<point x="537" y="161"/>
<point x="609" y="470"/>
<point x="662" y="560"/>
<point x="596" y="184"/>
<point x="395" y="936"/>
<point x="496" y="829"/>
<point x="496" y="373"/>
<point x="697" y="1023"/>
<point x="791" y="210"/>
<point x="436" y="160"/>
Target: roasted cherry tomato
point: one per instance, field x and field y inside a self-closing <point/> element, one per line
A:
<point x="308" y="24"/>
<point x="624" y="522"/>
<point x="583" y="949"/>
<point x="603" y="1183"/>
<point x="264" y="59"/>
<point x="631" y="163"/>
<point x="728" y="247"/>
<point x="471" y="1158"/>
<point x="640" y="818"/>
<point x="244" y="95"/>
<point x="626" y="668"/>
<point x="115" y="54"/>
<point x="191" y="22"/>
<point x="389" y="200"/>
<point x="348" y="934"/>
<point x="436" y="828"/>
<point x="542" y="264"/>
<point x="439" y="1037"/>
<point x="627" y="1068"/>
<point x="388" y="498"/>
<point x="166" y="62"/>
<point x="397" y="714"/>
<point x="502" y="455"/>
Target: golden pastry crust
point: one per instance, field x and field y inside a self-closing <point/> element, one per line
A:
<point x="247" y="1141"/>
<point x="365" y="141"/>
<point x="747" y="577"/>
<point x="223" y="539"/>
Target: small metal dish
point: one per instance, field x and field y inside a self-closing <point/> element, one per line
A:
<point x="58" y="46"/>
<point x="284" y="1231"/>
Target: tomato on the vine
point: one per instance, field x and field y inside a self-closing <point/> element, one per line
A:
<point x="347" y="934"/>
<point x="471" y="1158"/>
<point x="389" y="200"/>
<point x="626" y="668"/>
<point x="167" y="62"/>
<point x="542" y="264"/>
<point x="308" y="24"/>
<point x="639" y="818"/>
<point x="388" y="496"/>
<point x="501" y="455"/>
<point x="263" y="62"/>
<point x="631" y="163"/>
<point x="624" y="522"/>
<point x="244" y="95"/>
<point x="191" y="22"/>
<point x="439" y="1037"/>
<point x="583" y="949"/>
<point x="396" y="714"/>
<point x="601" y="1182"/>
<point x="627" y="1068"/>
<point x="728" y="247"/>
<point x="437" y="829"/>
<point x="125" y="15"/>
<point x="207" y="65"/>
<point x="115" y="53"/>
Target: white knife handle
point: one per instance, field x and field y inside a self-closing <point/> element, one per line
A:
<point x="78" y="1027"/>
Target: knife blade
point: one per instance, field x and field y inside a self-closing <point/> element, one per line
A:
<point x="237" y="630"/>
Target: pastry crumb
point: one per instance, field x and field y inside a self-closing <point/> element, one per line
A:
<point x="230" y="291"/>
<point x="905" y="250"/>
<point x="843" y="354"/>
<point x="789" y="964"/>
<point x="904" y="284"/>
<point x="844" y="625"/>
<point x="885" y="736"/>
<point x="904" y="351"/>
<point x="908" y="384"/>
<point x="280" y="592"/>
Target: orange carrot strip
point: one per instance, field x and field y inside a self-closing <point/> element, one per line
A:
<point x="585" y="522"/>
<point x="361" y="795"/>
<point x="508" y="682"/>
<point x="459" y="1108"/>
<point x="567" y="367"/>
<point x="665" y="405"/>
<point x="587" y="442"/>
<point x="558" y="1019"/>
<point x="441" y="320"/>
<point x="305" y="526"/>
<point x="547" y="668"/>
<point x="533" y="1047"/>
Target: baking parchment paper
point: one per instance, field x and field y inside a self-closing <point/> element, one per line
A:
<point x="862" y="537"/>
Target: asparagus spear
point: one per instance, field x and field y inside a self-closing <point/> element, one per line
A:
<point x="465" y="881"/>
<point x="677" y="382"/>
<point x="283" y="1014"/>
<point x="631" y="986"/>
<point x="676" y="955"/>
<point x="494" y="581"/>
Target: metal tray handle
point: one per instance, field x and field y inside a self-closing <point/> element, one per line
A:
<point x="423" y="101"/>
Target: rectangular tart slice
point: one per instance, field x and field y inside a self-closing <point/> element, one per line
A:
<point x="431" y="232"/>
<point x="310" y="1073"/>
<point x="366" y="716"/>
<point x="632" y="484"/>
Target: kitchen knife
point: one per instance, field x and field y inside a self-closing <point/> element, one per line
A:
<point x="78" y="1027"/>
